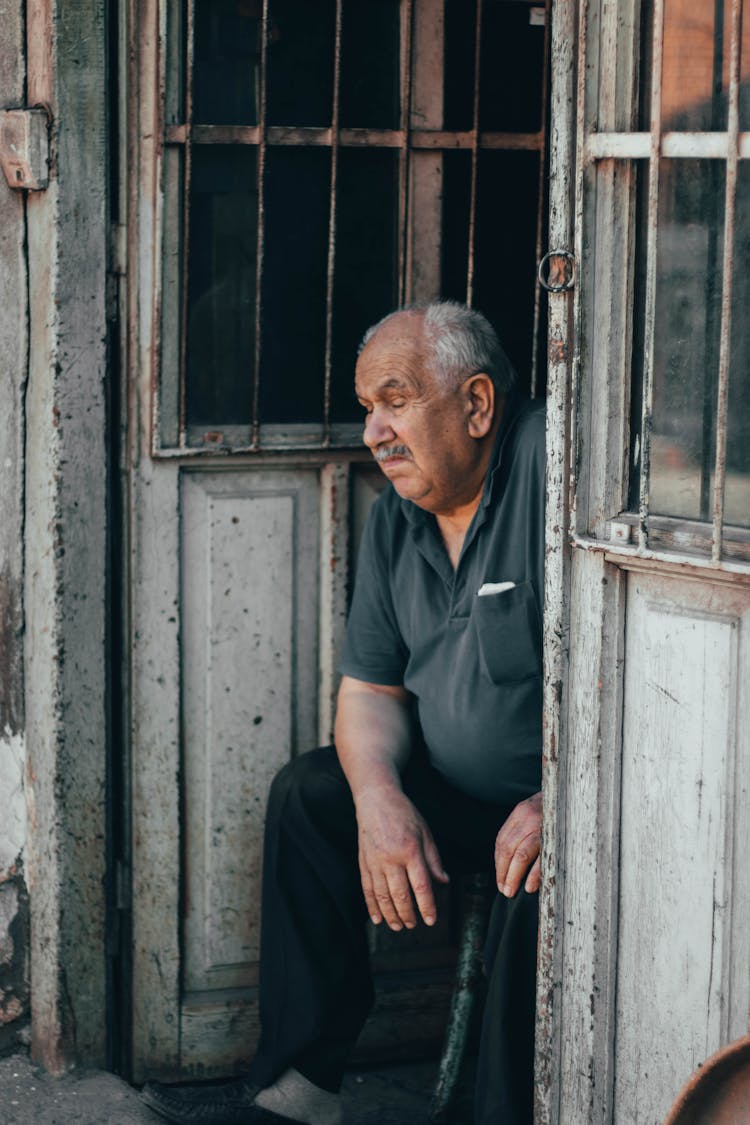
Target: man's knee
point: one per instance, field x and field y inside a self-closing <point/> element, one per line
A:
<point x="311" y="786"/>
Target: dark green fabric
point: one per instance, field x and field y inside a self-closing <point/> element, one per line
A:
<point x="472" y="663"/>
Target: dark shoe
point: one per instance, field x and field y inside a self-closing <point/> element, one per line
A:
<point x="228" y="1103"/>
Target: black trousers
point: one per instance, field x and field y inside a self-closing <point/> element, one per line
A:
<point x="315" y="984"/>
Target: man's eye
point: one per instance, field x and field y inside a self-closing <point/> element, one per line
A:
<point x="397" y="403"/>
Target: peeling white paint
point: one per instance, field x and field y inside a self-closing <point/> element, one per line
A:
<point x="13" y="824"/>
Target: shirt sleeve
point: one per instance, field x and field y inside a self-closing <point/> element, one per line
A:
<point x="374" y="648"/>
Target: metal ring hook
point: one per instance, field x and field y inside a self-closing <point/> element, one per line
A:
<point x="562" y="286"/>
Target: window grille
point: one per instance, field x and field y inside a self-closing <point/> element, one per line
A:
<point x="294" y="146"/>
<point x="683" y="145"/>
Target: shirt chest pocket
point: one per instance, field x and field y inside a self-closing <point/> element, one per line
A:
<point x="509" y="634"/>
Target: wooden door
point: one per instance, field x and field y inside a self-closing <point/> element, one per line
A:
<point x="295" y="171"/>
<point x="645" y="958"/>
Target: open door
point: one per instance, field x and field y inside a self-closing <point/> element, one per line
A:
<point x="647" y="919"/>
<point x="294" y="172"/>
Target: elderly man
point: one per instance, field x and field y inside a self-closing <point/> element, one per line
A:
<point x="437" y="761"/>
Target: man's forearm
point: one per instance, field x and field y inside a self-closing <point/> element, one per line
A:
<point x="372" y="734"/>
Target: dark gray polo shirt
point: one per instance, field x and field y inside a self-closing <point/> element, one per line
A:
<point x="472" y="663"/>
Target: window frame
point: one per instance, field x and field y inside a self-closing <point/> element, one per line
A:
<point x="419" y="138"/>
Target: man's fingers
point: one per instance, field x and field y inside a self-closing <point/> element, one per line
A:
<point x="421" y="884"/>
<point x="523" y="857"/>
<point x="401" y="897"/>
<point x="371" y="902"/>
<point x="534" y="879"/>
<point x="518" y="845"/>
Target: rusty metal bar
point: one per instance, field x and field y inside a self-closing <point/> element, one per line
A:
<point x="187" y="174"/>
<point x="405" y="131"/>
<point x="651" y="263"/>
<point x="260" y="232"/>
<point x="330" y="267"/>
<point x="290" y="135"/>
<point x="730" y="206"/>
<point x="474" y="156"/>
<point x="540" y="208"/>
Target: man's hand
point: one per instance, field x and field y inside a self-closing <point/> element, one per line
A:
<point x="397" y="858"/>
<point x="517" y="848"/>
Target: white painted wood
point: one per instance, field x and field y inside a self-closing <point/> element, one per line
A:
<point x="587" y="923"/>
<point x="249" y="610"/>
<point x="155" y="754"/>
<point x="334" y="575"/>
<point x="686" y="753"/>
<point x="560" y="350"/>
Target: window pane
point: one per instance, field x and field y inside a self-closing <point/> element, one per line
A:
<point x="366" y="257"/>
<point x="370" y="64"/>
<point x="294" y="284"/>
<point x="737" y="495"/>
<point x="221" y="286"/>
<point x="745" y="69"/>
<point x="686" y="342"/>
<point x="696" y="63"/>
<point x="226" y="62"/>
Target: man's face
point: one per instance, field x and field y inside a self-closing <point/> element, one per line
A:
<point x="417" y="432"/>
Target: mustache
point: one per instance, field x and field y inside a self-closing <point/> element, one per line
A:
<point x="392" y="451"/>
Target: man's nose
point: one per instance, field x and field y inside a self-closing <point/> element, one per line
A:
<point x="377" y="430"/>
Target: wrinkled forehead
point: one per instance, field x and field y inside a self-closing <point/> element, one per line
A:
<point x="396" y="353"/>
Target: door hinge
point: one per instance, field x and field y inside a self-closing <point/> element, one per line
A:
<point x="24" y="147"/>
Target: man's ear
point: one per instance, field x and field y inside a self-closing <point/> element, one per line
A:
<point x="480" y="401"/>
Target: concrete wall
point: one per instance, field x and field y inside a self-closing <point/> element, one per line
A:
<point x="53" y="542"/>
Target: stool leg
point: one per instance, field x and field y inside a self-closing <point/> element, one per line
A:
<point x="468" y="974"/>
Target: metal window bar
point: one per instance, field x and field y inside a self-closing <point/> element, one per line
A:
<point x="260" y="231"/>
<point x="540" y="211"/>
<point x="651" y="263"/>
<point x="407" y="68"/>
<point x="260" y="136"/>
<point x="187" y="175"/>
<point x="474" y="156"/>
<point x="330" y="265"/>
<point x="733" y="124"/>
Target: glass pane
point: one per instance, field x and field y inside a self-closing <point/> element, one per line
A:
<point x="221" y="286"/>
<point x="696" y="63"/>
<point x="737" y="494"/>
<point x="226" y="62"/>
<point x="687" y="331"/>
<point x="370" y="39"/>
<point x="745" y="69"/>
<point x="366" y="258"/>
<point x="300" y="62"/>
<point x="294" y="284"/>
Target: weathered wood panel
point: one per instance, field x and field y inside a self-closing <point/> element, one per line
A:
<point x="249" y="610"/>
<point x="155" y="742"/>
<point x="683" y="985"/>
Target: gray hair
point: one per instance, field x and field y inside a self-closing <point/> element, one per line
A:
<point x="459" y="342"/>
